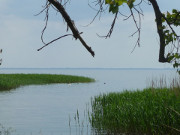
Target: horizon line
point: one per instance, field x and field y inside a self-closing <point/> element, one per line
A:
<point x="85" y="68"/>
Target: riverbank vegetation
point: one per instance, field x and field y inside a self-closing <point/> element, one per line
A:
<point x="12" y="81"/>
<point x="150" y="111"/>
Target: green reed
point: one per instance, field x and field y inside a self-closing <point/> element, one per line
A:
<point x="12" y="81"/>
<point x="151" y="111"/>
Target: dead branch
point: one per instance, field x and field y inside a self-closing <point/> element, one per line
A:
<point x="70" y="24"/>
<point x="99" y="10"/>
<point x="54" y="41"/>
<point x="138" y="27"/>
<point x="112" y="26"/>
<point x="46" y="23"/>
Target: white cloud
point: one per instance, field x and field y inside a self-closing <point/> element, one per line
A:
<point x="21" y="37"/>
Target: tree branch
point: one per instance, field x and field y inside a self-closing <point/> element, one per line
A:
<point x="112" y="26"/>
<point x="54" y="41"/>
<point x="159" y="16"/>
<point x="71" y="25"/>
<point x="0" y="59"/>
<point x="169" y="24"/>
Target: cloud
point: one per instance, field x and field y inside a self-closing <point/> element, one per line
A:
<point x="21" y="39"/>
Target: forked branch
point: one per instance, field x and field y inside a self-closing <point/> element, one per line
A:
<point x="70" y="24"/>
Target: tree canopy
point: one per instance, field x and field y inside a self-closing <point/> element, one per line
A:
<point x="166" y="24"/>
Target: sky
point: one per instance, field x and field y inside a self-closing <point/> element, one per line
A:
<point x="20" y="37"/>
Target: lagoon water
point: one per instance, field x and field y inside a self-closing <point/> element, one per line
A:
<point x="52" y="109"/>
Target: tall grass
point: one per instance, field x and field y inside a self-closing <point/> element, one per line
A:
<point x="150" y="111"/>
<point x="12" y="81"/>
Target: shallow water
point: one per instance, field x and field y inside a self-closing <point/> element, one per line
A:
<point x="48" y="109"/>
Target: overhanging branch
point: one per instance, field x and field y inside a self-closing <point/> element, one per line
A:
<point x="71" y="24"/>
<point x="46" y="44"/>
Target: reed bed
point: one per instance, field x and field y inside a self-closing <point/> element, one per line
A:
<point x="151" y="111"/>
<point x="12" y="81"/>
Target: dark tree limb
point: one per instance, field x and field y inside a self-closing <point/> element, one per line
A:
<point x="159" y="24"/>
<point x="0" y="59"/>
<point x="112" y="26"/>
<point x="46" y="44"/>
<point x="70" y="24"/>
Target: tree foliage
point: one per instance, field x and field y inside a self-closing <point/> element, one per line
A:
<point x="171" y="20"/>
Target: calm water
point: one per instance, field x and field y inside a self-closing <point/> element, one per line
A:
<point x="48" y="109"/>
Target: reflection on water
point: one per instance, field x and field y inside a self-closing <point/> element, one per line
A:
<point x="52" y="109"/>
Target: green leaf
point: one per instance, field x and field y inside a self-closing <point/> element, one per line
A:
<point x="113" y="8"/>
<point x="130" y="3"/>
<point x="108" y="2"/>
<point x="170" y="58"/>
<point x="174" y="11"/>
<point x="175" y="65"/>
<point x="120" y="2"/>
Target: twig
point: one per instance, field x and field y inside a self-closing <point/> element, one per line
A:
<point x="112" y="26"/>
<point x="46" y="23"/>
<point x="138" y="28"/>
<point x="54" y="41"/>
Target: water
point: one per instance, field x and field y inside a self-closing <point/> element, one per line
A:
<point x="48" y="109"/>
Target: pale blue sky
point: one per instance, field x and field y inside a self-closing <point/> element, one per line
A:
<point x="20" y="33"/>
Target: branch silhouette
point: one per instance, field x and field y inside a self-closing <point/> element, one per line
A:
<point x="70" y="24"/>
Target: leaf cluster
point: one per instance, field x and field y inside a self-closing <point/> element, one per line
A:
<point x="114" y="4"/>
<point x="171" y="20"/>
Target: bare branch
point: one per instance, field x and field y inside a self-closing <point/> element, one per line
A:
<point x="46" y="23"/>
<point x="138" y="26"/>
<point x="138" y="3"/>
<point x="70" y="23"/>
<point x="112" y="26"/>
<point x="44" y="8"/>
<point x="54" y="41"/>
<point x="59" y="8"/>
<point x="99" y="11"/>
